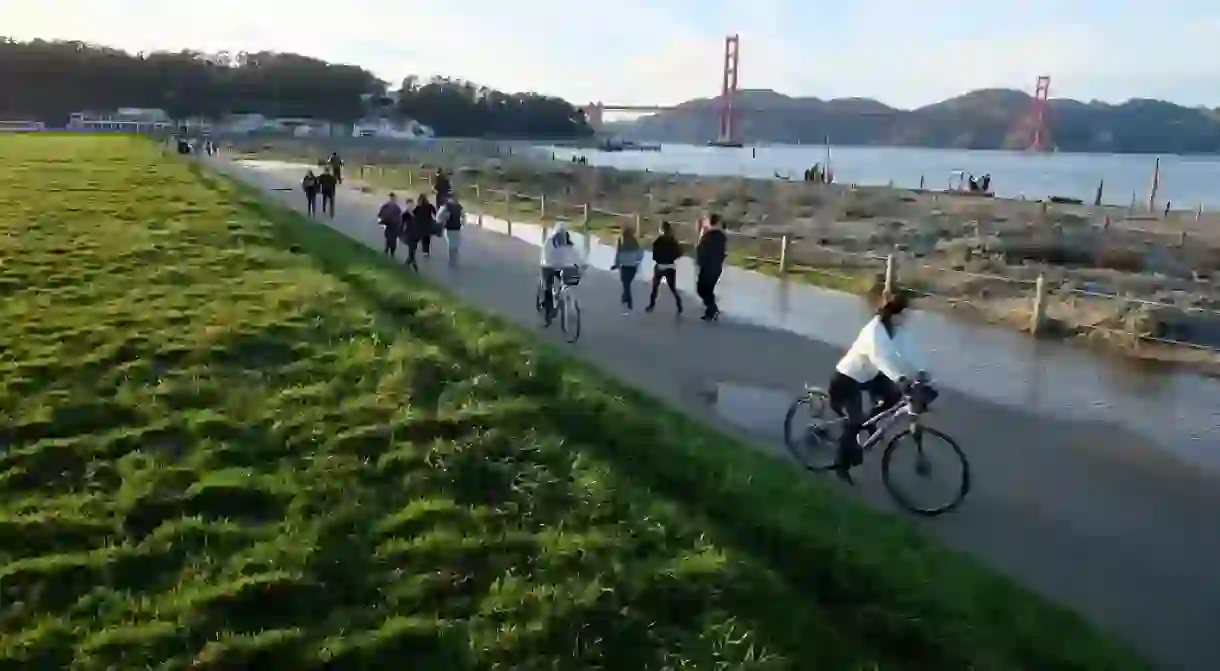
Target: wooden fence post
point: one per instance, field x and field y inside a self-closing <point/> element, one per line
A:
<point x="542" y="207"/>
<point x="783" y="254"/>
<point x="1037" y="316"/>
<point x="890" y="271"/>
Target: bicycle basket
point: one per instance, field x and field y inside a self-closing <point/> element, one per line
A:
<point x="570" y="276"/>
<point x="922" y="396"/>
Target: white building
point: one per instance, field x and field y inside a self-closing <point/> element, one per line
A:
<point x="124" y="119"/>
<point x="21" y="126"/>
<point x="384" y="128"/>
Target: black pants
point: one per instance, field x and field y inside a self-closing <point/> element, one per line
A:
<point x="846" y="400"/>
<point x="670" y="276"/>
<point x="412" y="245"/>
<point x="626" y="275"/>
<point x="328" y="203"/>
<point x="549" y="277"/>
<point x="391" y="243"/>
<point x="425" y="241"/>
<point x="311" y="198"/>
<point x="705" y="287"/>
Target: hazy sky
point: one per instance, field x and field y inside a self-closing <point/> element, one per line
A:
<point x="903" y="52"/>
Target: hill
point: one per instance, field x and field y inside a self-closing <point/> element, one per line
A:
<point x="47" y="81"/>
<point x="983" y="119"/>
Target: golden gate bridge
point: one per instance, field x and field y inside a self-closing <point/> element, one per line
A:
<point x="727" y="110"/>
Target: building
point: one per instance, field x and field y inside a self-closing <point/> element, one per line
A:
<point x="123" y="120"/>
<point x="384" y="128"/>
<point x="21" y="126"/>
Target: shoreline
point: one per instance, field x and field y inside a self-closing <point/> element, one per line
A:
<point x="975" y="257"/>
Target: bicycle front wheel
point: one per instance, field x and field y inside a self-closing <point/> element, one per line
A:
<point x="932" y="455"/>
<point x="569" y="317"/>
<point x="808" y="431"/>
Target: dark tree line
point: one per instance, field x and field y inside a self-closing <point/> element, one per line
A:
<point x="47" y="81"/>
<point x="456" y="107"/>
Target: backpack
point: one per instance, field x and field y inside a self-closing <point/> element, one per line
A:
<point x="453" y="220"/>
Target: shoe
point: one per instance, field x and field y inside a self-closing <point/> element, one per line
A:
<point x="844" y="474"/>
<point x="650" y="308"/>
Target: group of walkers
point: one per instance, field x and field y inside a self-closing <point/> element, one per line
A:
<point x="325" y="185"/>
<point x="710" y="254"/>
<point x="415" y="224"/>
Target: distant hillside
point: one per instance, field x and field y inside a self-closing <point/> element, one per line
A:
<point x="984" y="119"/>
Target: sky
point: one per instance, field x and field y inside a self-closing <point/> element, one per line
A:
<point x="903" y="52"/>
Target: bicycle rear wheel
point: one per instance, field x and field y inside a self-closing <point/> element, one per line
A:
<point x="569" y="316"/>
<point x="924" y="464"/>
<point x="811" y="440"/>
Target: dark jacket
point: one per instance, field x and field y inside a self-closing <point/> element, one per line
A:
<point x="425" y="218"/>
<point x="326" y="183"/>
<point x="712" y="249"/>
<point x="666" y="250"/>
<point x="310" y="184"/>
<point x="390" y="217"/>
<point x="454" y="216"/>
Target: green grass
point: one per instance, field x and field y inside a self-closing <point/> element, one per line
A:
<point x="233" y="439"/>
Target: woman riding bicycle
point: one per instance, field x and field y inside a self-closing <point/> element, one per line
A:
<point x="559" y="253"/>
<point x="873" y="364"/>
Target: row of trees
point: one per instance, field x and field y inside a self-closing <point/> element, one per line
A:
<point x="47" y="81"/>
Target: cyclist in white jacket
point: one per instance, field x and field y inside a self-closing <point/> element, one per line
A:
<point x="874" y="364"/>
<point x="559" y="252"/>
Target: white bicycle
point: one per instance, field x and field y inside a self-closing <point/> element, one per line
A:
<point x="815" y="443"/>
<point x="564" y="303"/>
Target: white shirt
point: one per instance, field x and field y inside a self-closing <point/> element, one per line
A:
<point x="559" y="251"/>
<point x="874" y="351"/>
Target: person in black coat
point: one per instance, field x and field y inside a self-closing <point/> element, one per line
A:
<point x="424" y="218"/>
<point x="310" y="186"/>
<point x="710" y="255"/>
<point x="666" y="250"/>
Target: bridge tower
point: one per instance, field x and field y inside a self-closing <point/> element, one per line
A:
<point x="1040" y="138"/>
<point x="594" y="113"/>
<point x="728" y="135"/>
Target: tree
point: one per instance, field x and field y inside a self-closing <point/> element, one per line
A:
<point x="47" y="81"/>
<point x="459" y="107"/>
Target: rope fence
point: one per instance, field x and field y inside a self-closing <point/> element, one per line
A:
<point x="1036" y="304"/>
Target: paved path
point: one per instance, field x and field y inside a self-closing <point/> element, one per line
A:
<point x="1081" y="512"/>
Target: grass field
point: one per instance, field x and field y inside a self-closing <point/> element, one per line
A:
<point x="234" y="440"/>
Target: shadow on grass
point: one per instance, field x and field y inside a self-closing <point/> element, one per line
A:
<point x="822" y="577"/>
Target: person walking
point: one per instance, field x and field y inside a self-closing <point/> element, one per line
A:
<point x="710" y="255"/>
<point x="411" y="234"/>
<point x="390" y="219"/>
<point x="310" y="186"/>
<point x="627" y="258"/>
<point x="452" y="217"/>
<point x="336" y="166"/>
<point x="424" y="215"/>
<point x="443" y="187"/>
<point x="666" y="250"/>
<point x="326" y="186"/>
